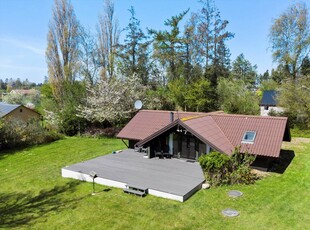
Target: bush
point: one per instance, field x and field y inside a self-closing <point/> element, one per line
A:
<point x="215" y="166"/>
<point x="17" y="133"/>
<point x="221" y="169"/>
<point x="102" y="132"/>
<point x="296" y="132"/>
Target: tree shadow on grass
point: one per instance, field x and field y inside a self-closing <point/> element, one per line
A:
<point x="18" y="209"/>
<point x="11" y="151"/>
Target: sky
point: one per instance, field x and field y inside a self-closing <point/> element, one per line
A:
<point x="24" y="27"/>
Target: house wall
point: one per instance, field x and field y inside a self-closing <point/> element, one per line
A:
<point x="265" y="112"/>
<point x="131" y="144"/>
<point x="262" y="163"/>
<point x="23" y="113"/>
<point x="185" y="146"/>
<point x="180" y="145"/>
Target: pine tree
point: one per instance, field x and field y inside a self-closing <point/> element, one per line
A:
<point x="134" y="53"/>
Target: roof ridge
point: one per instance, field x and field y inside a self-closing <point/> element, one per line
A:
<point x="232" y="146"/>
<point x="222" y="131"/>
<point x="8" y="104"/>
<point x="246" y="116"/>
<point x="193" y="117"/>
<point x="175" y="112"/>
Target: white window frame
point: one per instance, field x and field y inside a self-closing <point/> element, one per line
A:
<point x="248" y="141"/>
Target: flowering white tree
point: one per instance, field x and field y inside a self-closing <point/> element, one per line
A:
<point x="111" y="100"/>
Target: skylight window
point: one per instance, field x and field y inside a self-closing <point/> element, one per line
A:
<point x="249" y="137"/>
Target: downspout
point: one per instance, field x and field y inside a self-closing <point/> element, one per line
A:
<point x="170" y="140"/>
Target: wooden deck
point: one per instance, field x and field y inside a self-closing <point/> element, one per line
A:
<point x="169" y="178"/>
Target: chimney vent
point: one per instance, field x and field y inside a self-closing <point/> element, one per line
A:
<point x="171" y="117"/>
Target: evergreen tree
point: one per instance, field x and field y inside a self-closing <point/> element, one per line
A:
<point x="212" y="36"/>
<point x="169" y="46"/>
<point x="134" y="53"/>
<point x="242" y="69"/>
<point x="305" y="67"/>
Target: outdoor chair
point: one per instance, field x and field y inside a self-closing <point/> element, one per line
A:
<point x="159" y="154"/>
<point x="144" y="150"/>
<point x="167" y="155"/>
<point x="137" y="149"/>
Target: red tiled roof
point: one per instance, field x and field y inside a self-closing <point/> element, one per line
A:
<point x="222" y="131"/>
<point x="147" y="122"/>
<point x="24" y="91"/>
<point x="269" y="132"/>
<point x="208" y="130"/>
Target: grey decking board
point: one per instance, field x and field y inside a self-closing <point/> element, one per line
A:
<point x="167" y="175"/>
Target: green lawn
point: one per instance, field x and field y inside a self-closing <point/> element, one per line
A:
<point x="34" y="195"/>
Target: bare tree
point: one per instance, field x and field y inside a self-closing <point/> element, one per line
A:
<point x="89" y="59"/>
<point x="62" y="47"/>
<point x="108" y="37"/>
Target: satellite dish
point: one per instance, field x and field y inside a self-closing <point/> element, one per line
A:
<point x="138" y="104"/>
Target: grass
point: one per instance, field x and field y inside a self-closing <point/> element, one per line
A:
<point x="296" y="132"/>
<point x="34" y="195"/>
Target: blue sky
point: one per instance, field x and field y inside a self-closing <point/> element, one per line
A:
<point x="24" y="26"/>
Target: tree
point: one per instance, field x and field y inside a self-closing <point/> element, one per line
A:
<point x="199" y="96"/>
<point x="2" y="85"/>
<point x="177" y="89"/>
<point x="264" y="77"/>
<point x="63" y="61"/>
<point x="62" y="48"/>
<point x="242" y="69"/>
<point x="26" y="84"/>
<point x="134" y="54"/>
<point x="89" y="59"/>
<point x="294" y="97"/>
<point x="168" y="45"/>
<point x="14" y="98"/>
<point x="111" y="100"/>
<point x="235" y="97"/>
<point x="279" y="74"/>
<point x="18" y="83"/>
<point x="221" y="169"/>
<point x="305" y="67"/>
<point x="108" y="38"/>
<point x="268" y="85"/>
<point x="31" y="100"/>
<point x="212" y="35"/>
<point x="290" y="38"/>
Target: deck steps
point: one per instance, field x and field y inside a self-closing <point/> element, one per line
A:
<point x="139" y="191"/>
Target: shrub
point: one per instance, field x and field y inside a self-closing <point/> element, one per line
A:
<point x="240" y="171"/>
<point x="215" y="166"/>
<point x="102" y="132"/>
<point x="17" y="133"/>
<point x="221" y="169"/>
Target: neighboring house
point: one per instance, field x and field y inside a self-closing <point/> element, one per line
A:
<point x="25" y="92"/>
<point x="11" y="111"/>
<point x="269" y="103"/>
<point x="189" y="134"/>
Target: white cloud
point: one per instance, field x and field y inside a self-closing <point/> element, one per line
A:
<point x="23" y="45"/>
